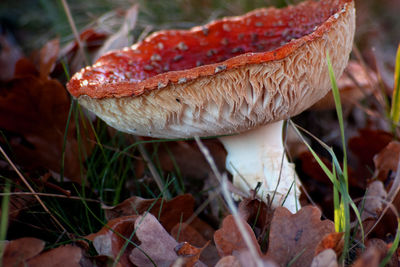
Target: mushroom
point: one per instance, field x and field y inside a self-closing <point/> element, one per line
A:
<point x="239" y="76"/>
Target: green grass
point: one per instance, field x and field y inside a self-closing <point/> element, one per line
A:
<point x="338" y="175"/>
<point x="395" y="106"/>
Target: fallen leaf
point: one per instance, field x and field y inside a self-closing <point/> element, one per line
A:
<point x="18" y="251"/>
<point x="355" y="84"/>
<point x="244" y="258"/>
<point x="182" y="262"/>
<point x="296" y="235"/>
<point x="10" y="53"/>
<point x="36" y="111"/>
<point x="183" y="232"/>
<point x="228" y="261"/>
<point x="310" y="166"/>
<point x="112" y="238"/>
<point x="257" y="214"/>
<point x="228" y="239"/>
<point x="156" y="245"/>
<point x="370" y="258"/>
<point x="373" y="204"/>
<point x="326" y="258"/>
<point x="48" y="56"/>
<point x="332" y="241"/>
<point x="386" y="162"/>
<point x="189" y="254"/>
<point x="123" y="37"/>
<point x="383" y="249"/>
<point x="170" y="212"/>
<point x="364" y="146"/>
<point x="92" y="39"/>
<point x="67" y="255"/>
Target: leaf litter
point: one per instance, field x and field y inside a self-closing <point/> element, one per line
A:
<point x="141" y="232"/>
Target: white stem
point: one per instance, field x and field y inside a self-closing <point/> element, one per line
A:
<point x="258" y="156"/>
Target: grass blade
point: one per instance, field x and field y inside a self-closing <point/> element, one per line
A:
<point x="338" y="104"/>
<point x="395" y="108"/>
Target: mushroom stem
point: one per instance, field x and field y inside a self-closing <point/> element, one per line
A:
<point x="258" y="156"/>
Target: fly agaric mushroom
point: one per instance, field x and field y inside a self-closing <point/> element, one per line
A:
<point x="236" y="75"/>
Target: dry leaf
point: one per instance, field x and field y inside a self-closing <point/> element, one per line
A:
<point x="373" y="204"/>
<point x="370" y="258"/>
<point x="326" y="258"/>
<point x="123" y="37"/>
<point x="18" y="251"/>
<point x="112" y="238"/>
<point x="386" y="161"/>
<point x="189" y="255"/>
<point x="48" y="56"/>
<point x="183" y="232"/>
<point x="156" y="245"/>
<point x="296" y="235"/>
<point x="10" y="53"/>
<point x="169" y="212"/>
<point x="365" y="146"/>
<point x="244" y="259"/>
<point x="228" y="261"/>
<point x="228" y="239"/>
<point x="257" y="214"/>
<point x="247" y="259"/>
<point x="382" y="248"/>
<point x="351" y="91"/>
<point x="36" y="111"/>
<point x="332" y="241"/>
<point x="67" y="255"/>
<point x="91" y="39"/>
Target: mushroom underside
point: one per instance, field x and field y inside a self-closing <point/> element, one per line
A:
<point x="234" y="100"/>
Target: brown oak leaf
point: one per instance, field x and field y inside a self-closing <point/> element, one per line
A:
<point x="228" y="239"/>
<point x="332" y="241"/>
<point x="18" y="251"/>
<point x="326" y="258"/>
<point x="34" y="112"/>
<point x="183" y="232"/>
<point x="386" y="161"/>
<point x="112" y="238"/>
<point x="189" y="255"/>
<point x="67" y="255"/>
<point x="296" y="235"/>
<point x="364" y="146"/>
<point x="156" y="245"/>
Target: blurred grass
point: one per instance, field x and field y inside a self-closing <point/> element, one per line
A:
<point x="36" y="22"/>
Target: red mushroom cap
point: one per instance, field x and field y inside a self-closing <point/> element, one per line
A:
<point x="273" y="56"/>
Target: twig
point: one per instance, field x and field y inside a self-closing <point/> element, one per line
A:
<point x="49" y="195"/>
<point x="74" y="30"/>
<point x="209" y="158"/>
<point x="31" y="189"/>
